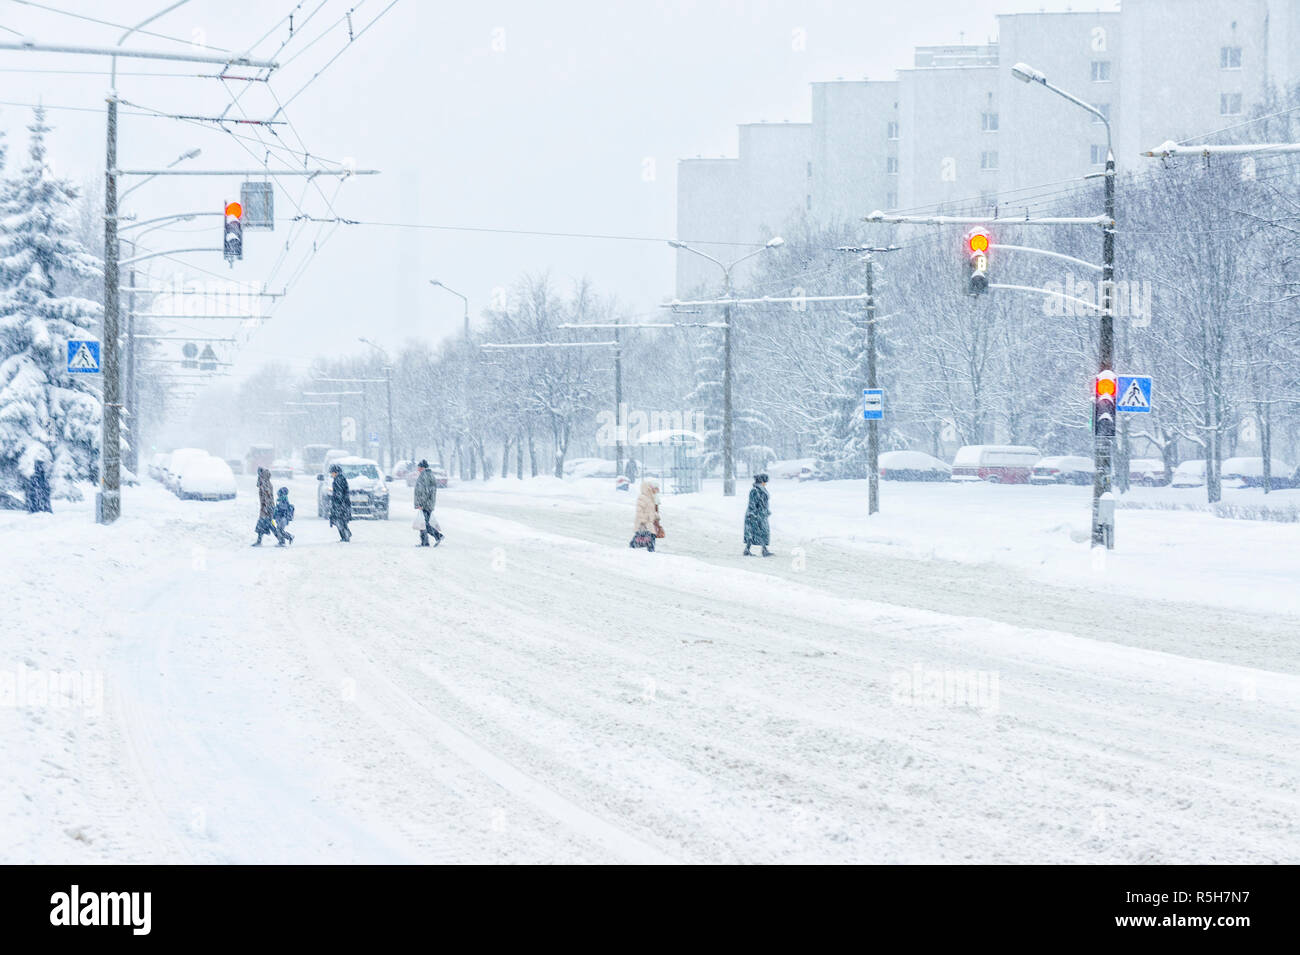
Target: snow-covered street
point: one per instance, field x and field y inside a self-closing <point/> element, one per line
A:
<point x="534" y="691"/>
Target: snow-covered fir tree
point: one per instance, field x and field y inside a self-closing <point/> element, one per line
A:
<point x="46" y="415"/>
<point x="705" y="399"/>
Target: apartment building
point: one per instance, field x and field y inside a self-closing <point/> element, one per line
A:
<point x="956" y="132"/>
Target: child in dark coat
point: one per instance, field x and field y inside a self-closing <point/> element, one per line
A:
<point x="283" y="513"/>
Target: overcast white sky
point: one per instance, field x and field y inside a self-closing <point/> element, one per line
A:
<point x="550" y="133"/>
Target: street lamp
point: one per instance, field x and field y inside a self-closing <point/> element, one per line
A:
<point x="728" y="456"/>
<point x="388" y="388"/>
<point x="459" y="296"/>
<point x="1103" y="528"/>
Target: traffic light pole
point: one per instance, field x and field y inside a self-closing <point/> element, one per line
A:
<point x="873" y="426"/>
<point x="1103" y="503"/>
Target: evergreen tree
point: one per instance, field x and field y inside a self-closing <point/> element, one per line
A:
<point x="705" y="399"/>
<point x="46" y="414"/>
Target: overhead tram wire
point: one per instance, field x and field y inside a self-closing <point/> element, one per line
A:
<point x="116" y="26"/>
<point x="351" y="41"/>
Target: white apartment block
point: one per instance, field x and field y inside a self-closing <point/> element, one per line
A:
<point x="957" y="132"/>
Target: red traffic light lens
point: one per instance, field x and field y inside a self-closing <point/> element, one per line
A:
<point x="1105" y="387"/>
<point x="234" y="209"/>
<point x="978" y="242"/>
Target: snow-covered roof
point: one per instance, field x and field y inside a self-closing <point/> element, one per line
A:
<point x="668" y="434"/>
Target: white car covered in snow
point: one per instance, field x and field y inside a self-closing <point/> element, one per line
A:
<point x="206" y="479"/>
<point x="1063" y="469"/>
<point x="181" y="459"/>
<point x="912" y="466"/>
<point x="1249" y="472"/>
<point x="1189" y="474"/>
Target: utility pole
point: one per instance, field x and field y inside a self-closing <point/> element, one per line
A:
<point x="1103" y="503"/>
<point x="728" y="460"/>
<point x="132" y="409"/>
<point x="388" y="389"/>
<point x="728" y="448"/>
<point x="873" y="426"/>
<point x="618" y="402"/>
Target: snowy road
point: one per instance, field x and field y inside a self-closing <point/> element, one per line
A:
<point x="534" y="691"/>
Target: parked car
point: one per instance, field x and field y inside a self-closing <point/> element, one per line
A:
<point x="181" y="459"/>
<point x="206" y="479"/>
<point x="811" y="472"/>
<point x="588" y="468"/>
<point x="236" y="465"/>
<point x="366" y="487"/>
<point x="1063" y="469"/>
<point x="282" y="469"/>
<point x="1189" y="474"/>
<point x="912" y="466"/>
<point x="1147" y="472"/>
<point x="405" y="471"/>
<point x="157" y="467"/>
<point x="790" y="470"/>
<point x="1249" y="472"/>
<point x="994" y="463"/>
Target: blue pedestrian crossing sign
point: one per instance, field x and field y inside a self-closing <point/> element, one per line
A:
<point x="1134" y="394"/>
<point x="873" y="404"/>
<point x="83" y="356"/>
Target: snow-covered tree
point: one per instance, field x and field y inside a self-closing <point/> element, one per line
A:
<point x="46" y="415"/>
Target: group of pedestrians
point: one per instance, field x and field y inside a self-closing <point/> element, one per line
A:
<point x="648" y="526"/>
<point x="273" y="516"/>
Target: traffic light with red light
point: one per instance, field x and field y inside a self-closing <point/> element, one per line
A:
<point x="1103" y="404"/>
<point x="234" y="244"/>
<point x="977" y="250"/>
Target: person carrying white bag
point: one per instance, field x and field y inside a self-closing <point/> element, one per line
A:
<point x="426" y="496"/>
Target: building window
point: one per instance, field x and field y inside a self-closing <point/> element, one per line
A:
<point x="1104" y="109"/>
<point x="1101" y="71"/>
<point x="891" y="165"/>
<point x="1099" y="155"/>
<point x="893" y="130"/>
<point x="989" y="122"/>
<point x="1230" y="104"/>
<point x="1230" y="58"/>
<point x="810" y="170"/>
<point x="891" y="199"/>
<point x="989" y="160"/>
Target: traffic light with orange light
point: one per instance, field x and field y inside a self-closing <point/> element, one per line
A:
<point x="977" y="250"/>
<point x="1103" y="404"/>
<point x="234" y="244"/>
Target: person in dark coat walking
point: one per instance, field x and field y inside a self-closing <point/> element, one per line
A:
<point x="283" y="513"/>
<point x="340" y="504"/>
<point x="426" y="496"/>
<point x="38" y="490"/>
<point x="756" y="514"/>
<point x="265" y="509"/>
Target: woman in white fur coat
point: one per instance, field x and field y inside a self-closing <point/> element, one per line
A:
<point x="647" y="527"/>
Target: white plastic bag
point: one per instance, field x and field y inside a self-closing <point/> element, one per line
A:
<point x="417" y="524"/>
